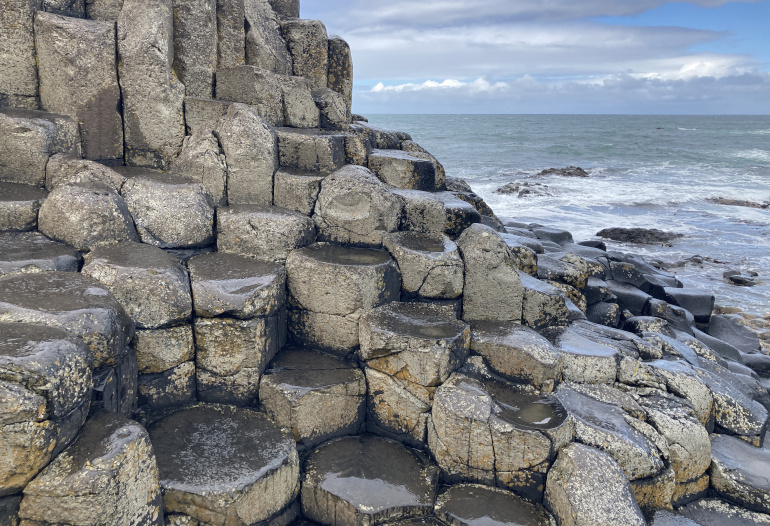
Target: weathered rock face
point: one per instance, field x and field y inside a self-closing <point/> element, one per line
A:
<point x="265" y="46"/>
<point x="202" y="161"/>
<point x="152" y="95"/>
<point x="19" y="206"/>
<point x="78" y="77"/>
<point x="739" y="472"/>
<point x="318" y="151"/>
<point x="18" y="71"/>
<point x="63" y="169"/>
<point x="108" y="476"/>
<point x="30" y="252"/>
<point x="211" y="471"/>
<point x="340" y="73"/>
<point x="195" y="45"/>
<point x="297" y="190"/>
<point x="231" y="34"/>
<point x="309" y="47"/>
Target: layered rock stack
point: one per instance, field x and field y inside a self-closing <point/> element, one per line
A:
<point x="224" y="300"/>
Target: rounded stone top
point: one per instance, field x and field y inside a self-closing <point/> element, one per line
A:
<point x="20" y="192"/>
<point x="218" y="449"/>
<point x="309" y="369"/>
<point x="22" y="249"/>
<point x="131" y="254"/>
<point x="345" y="255"/>
<point x="220" y="266"/>
<point x="477" y="505"/>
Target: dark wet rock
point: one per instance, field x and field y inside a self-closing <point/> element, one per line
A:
<point x="418" y="151"/>
<point x="211" y="470"/>
<point x="550" y="268"/>
<point x="759" y="363"/>
<point x="158" y="350"/>
<point x="552" y="234"/>
<point x="604" y="314"/>
<point x="267" y="233"/>
<point x="522" y="190"/>
<point x="202" y="161"/>
<point x="495" y="433"/>
<point x="403" y="170"/>
<point x="30" y="252"/>
<point x="355" y="207"/>
<point x="717" y="512"/>
<point x="29" y="138"/>
<point x="150" y="285"/>
<point x="629" y="297"/>
<point x="517" y="353"/>
<point x="543" y="305"/>
<point x="422" y="211"/>
<point x="572" y="295"/>
<point x="19" y="206"/>
<point x="687" y="492"/>
<point x="459" y="214"/>
<point x="63" y="169"/>
<point x="71" y="301"/>
<point x="237" y="286"/>
<point x="317" y="395"/>
<point x="170" y="388"/>
<point x="86" y="216"/>
<point x="738" y="202"/>
<point x="585" y="360"/>
<point x="731" y="331"/>
<point x="639" y="236"/>
<point x="108" y="476"/>
<point x="742" y="281"/>
<point x="699" y="302"/>
<point x="469" y="504"/>
<point x="740" y="472"/>
<point x="625" y="342"/>
<point x="367" y="479"/>
<point x="569" y="171"/>
<point x="116" y="387"/>
<point x="586" y="486"/>
<point x="596" y="290"/>
<point x="9" y="510"/>
<point x="430" y="264"/>
<point x="297" y="190"/>
<point x="677" y="317"/>
<point x="493" y="289"/>
<point x="524" y="255"/>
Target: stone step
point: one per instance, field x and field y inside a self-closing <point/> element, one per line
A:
<point x="308" y="45"/>
<point x="267" y="233"/>
<point x="739" y="472"/>
<point x="330" y="286"/>
<point x="19" y="206"/>
<point x="464" y="504"/>
<point x="403" y="170"/>
<point x="65" y="169"/>
<point x="409" y="349"/>
<point x="22" y="252"/>
<point x="717" y="512"/>
<point x="367" y="480"/>
<point x="297" y="189"/>
<point x="318" y="396"/>
<point x="438" y="212"/>
<point x="310" y="150"/>
<point x="543" y="305"/>
<point x="585" y="360"/>
<point x="29" y="139"/>
<point x="492" y="432"/>
<point x="223" y="465"/>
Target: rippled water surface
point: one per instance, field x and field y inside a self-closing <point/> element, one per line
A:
<point x="645" y="171"/>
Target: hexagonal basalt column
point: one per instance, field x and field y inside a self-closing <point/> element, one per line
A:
<point x="318" y="395"/>
<point x="330" y="286"/>
<point x="402" y="170"/>
<point x="367" y="480"/>
<point x="467" y="504"/>
<point x="222" y="465"/>
<point x="410" y="349"/>
<point x="19" y="206"/>
<point x="31" y="252"/>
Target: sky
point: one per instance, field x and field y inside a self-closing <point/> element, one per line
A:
<point x="554" y="56"/>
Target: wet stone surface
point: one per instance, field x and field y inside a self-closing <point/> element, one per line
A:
<point x="19" y="205"/>
<point x="211" y="470"/>
<point x="717" y="512"/>
<point x="233" y="285"/>
<point x="740" y="472"/>
<point x="367" y="480"/>
<point x="476" y="505"/>
<point x="586" y="361"/>
<point x="23" y="252"/>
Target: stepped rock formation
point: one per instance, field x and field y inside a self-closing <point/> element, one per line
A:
<point x="226" y="301"/>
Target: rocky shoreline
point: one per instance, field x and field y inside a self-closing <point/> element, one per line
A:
<point x="227" y="301"/>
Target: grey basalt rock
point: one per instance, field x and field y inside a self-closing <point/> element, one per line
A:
<point x="716" y="512"/>
<point x="108" y="10"/>
<point x="195" y="45"/>
<point x="71" y="301"/>
<point x="459" y="214"/>
<point x="152" y="95"/>
<point x="518" y="353"/>
<point x="159" y="350"/>
<point x="172" y="388"/>
<point x="340" y="73"/>
<point x="251" y="151"/>
<point x="30" y="252"/>
<point x="739" y="472"/>
<point x="354" y="207"/>
<point x="231" y="33"/>
<point x="29" y="139"/>
<point x="211" y="471"/>
<point x="466" y="504"/>
<point x="382" y="481"/>
<point x="585" y="360"/>
<point x="71" y="8"/>
<point x="287" y="8"/>
<point x="308" y="44"/>
<point x="237" y="286"/>
<point x="203" y="114"/>
<point x="524" y="256"/>
<point x="85" y="88"/>
<point x="430" y="264"/>
<point x="108" y="476"/>
<point x="63" y="169"/>
<point x="19" y="206"/>
<point x="297" y="190"/>
<point x="604" y="313"/>
<point x="115" y="386"/>
<point x="202" y="161"/>
<point x="18" y="71"/>
<point x="682" y="380"/>
<point x="258" y="88"/>
<point x="334" y="112"/>
<point x="265" y="46"/>
<point x="299" y="106"/>
<point x="381" y="138"/>
<point x="422" y="212"/>
<point x="493" y="288"/>
<point x="45" y="377"/>
<point x="267" y="233"/>
<point x="150" y="285"/>
<point x="586" y="486"/>
<point x="543" y="305"/>
<point x="731" y="331"/>
<point x="403" y="170"/>
<point x="311" y="150"/>
<point x="318" y="395"/>
<point x="699" y="302"/>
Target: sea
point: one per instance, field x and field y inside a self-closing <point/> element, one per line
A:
<point x="659" y="172"/>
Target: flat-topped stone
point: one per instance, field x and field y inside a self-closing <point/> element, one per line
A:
<point x="237" y="286"/>
<point x="73" y="302"/>
<point x="211" y="470"/>
<point x="430" y="264"/>
<point x="365" y="480"/>
<point x="717" y="512"/>
<point x="150" y="285"/>
<point x="19" y="206"/>
<point x="459" y="214"/>
<point x="310" y="150"/>
<point x="586" y="361"/>
<point x="65" y="169"/>
<point x="158" y="350"/>
<point x="297" y="190"/>
<point x="318" y="395"/>
<point x="699" y="302"/>
<point x="107" y="476"/>
<point x="29" y="252"/>
<point x="473" y="504"/>
<point x="267" y="233"/>
<point x="740" y="472"/>
<point x="403" y="170"/>
<point x="542" y="304"/>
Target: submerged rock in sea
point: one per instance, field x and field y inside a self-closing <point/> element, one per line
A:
<point x="569" y="171"/>
<point x="639" y="236"/>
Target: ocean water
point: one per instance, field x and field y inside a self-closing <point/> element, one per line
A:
<point x="645" y="171"/>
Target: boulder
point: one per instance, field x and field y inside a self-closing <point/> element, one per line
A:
<point x="231" y="33"/>
<point x="258" y="88"/>
<point x="311" y="150"/>
<point x="19" y="206"/>
<point x="108" y="476"/>
<point x="195" y="45"/>
<point x="740" y="472"/>
<point x="63" y="169"/>
<point x="169" y="211"/>
<point x="152" y="95"/>
<point x="150" y="285"/>
<point x="31" y="252"/>
<point x="297" y="189"/>
<point x="265" y="46"/>
<point x="403" y="170"/>
<point x="586" y="486"/>
<point x="211" y="470"/>
<point x="202" y="161"/>
<point x="639" y="236"/>
<point x="267" y="233"/>
<point x="18" y="70"/>
<point x="318" y="395"/>
<point x="354" y="207"/>
<point x="365" y="480"/>
<point x="29" y="139"/>
<point x="466" y="504"/>
<point x="309" y="47"/>
<point x="340" y="72"/>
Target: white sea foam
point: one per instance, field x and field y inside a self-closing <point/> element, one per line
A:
<point x="754" y="155"/>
